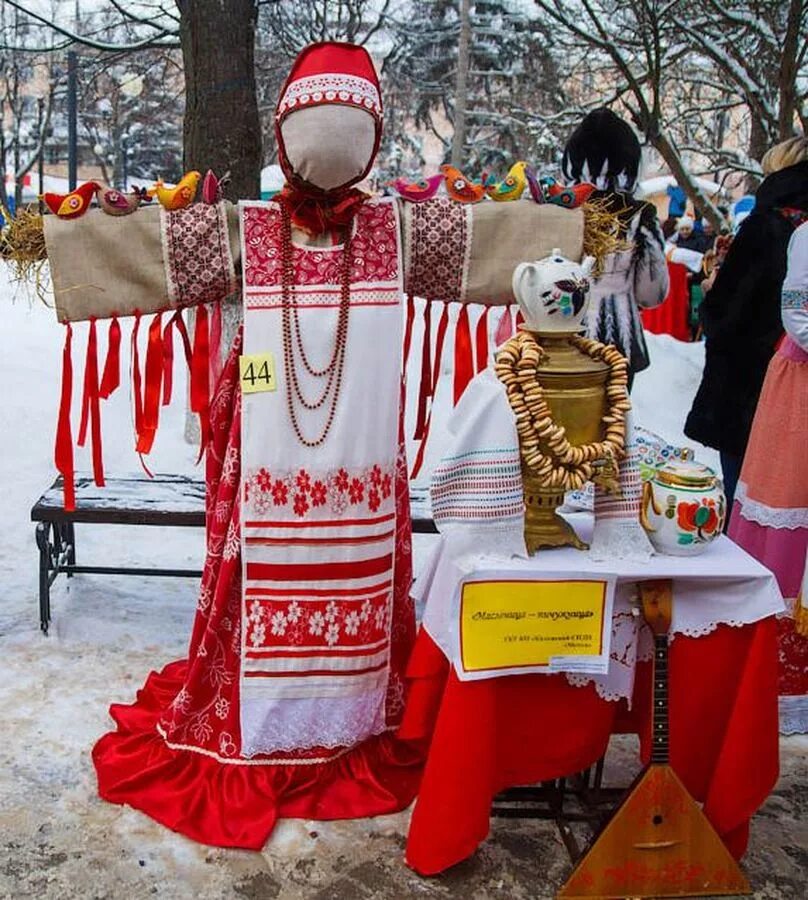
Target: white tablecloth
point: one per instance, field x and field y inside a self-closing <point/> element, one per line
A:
<point x="722" y="586"/>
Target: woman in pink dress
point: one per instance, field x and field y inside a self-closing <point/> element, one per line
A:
<point x="770" y="516"/>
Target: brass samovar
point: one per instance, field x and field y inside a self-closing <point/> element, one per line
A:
<point x="552" y="295"/>
<point x="575" y="390"/>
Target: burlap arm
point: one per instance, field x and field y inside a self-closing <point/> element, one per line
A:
<point x="467" y="253"/>
<point x="103" y="266"/>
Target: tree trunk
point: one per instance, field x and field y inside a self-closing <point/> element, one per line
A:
<point x="758" y="145"/>
<point x="787" y="76"/>
<point x="461" y="84"/>
<point x="222" y="130"/>
<point x="701" y="203"/>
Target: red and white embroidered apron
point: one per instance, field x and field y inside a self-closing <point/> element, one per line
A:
<point x="318" y="529"/>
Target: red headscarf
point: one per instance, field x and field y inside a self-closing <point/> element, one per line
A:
<point x="327" y="73"/>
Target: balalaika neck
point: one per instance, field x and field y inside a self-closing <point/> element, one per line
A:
<point x="659" y="738"/>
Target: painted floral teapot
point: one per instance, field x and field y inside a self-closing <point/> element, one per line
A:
<point x="552" y="292"/>
<point x="683" y="508"/>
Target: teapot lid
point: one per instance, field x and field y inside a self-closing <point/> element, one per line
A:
<point x="686" y="473"/>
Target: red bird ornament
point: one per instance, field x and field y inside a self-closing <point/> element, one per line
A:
<point x="571" y="197"/>
<point x="213" y="187"/>
<point x="74" y="204"/>
<point x="417" y="191"/>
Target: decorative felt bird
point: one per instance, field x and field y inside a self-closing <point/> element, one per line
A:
<point x="177" y="197"/>
<point x="116" y="203"/>
<point x="462" y="189"/>
<point x="571" y="197"/>
<point x="213" y="187"/>
<point x="417" y="191"/>
<point x="512" y="186"/>
<point x="74" y="204"/>
<point x="534" y="186"/>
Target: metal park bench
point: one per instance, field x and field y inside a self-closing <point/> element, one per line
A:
<point x="165" y="500"/>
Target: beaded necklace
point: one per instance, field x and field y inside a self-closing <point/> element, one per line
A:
<point x="293" y="347"/>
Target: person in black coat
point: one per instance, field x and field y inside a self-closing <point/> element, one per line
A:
<point x="741" y="312"/>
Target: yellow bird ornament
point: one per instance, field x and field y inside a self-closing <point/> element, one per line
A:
<point x="512" y="187"/>
<point x="180" y="196"/>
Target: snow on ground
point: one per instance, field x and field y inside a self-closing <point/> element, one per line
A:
<point x="57" y="839"/>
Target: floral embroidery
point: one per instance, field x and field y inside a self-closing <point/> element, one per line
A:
<point x="318" y="493"/>
<point x="335" y="492"/>
<point x="356" y="490"/>
<point x="280" y="493"/>
<point x="347" y="622"/>
<point x="278" y="623"/>
<point x="316" y="623"/>
<point x="301" y="505"/>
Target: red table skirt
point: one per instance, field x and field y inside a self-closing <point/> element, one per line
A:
<point x="489" y="735"/>
<point x="673" y="316"/>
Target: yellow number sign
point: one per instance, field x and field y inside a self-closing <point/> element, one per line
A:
<point x="510" y="624"/>
<point x="257" y="373"/>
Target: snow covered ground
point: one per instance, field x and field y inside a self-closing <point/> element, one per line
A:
<point x="57" y="839"/>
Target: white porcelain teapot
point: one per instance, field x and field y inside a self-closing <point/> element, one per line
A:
<point x="683" y="508"/>
<point x="552" y="292"/>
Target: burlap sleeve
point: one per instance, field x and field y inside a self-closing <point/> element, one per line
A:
<point x="467" y="253"/>
<point x="103" y="266"/>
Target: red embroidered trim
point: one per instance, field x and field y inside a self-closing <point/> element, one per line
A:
<point x="306" y="492"/>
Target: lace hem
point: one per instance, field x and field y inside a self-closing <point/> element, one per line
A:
<point x="770" y="516"/>
<point x="794" y="715"/>
<point x="645" y="650"/>
<point x="603" y="692"/>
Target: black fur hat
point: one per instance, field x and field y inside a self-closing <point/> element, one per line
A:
<point x="603" y="150"/>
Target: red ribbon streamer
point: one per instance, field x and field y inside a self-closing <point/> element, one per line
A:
<point x="85" y="391"/>
<point x="442" y="326"/>
<point x="504" y="328"/>
<point x="91" y="406"/>
<point x="168" y="361"/>
<point x="200" y="385"/>
<point x="153" y="387"/>
<point x="183" y="333"/>
<point x="408" y="332"/>
<point x="136" y="394"/>
<point x="426" y="373"/>
<point x="481" y="340"/>
<point x="95" y="407"/>
<point x="63" y="448"/>
<point x="520" y="319"/>
<point x="111" y="378"/>
<point x="464" y="359"/>
<point x="215" y="345"/>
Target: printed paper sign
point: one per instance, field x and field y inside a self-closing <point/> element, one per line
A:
<point x="550" y="625"/>
<point x="257" y="373"/>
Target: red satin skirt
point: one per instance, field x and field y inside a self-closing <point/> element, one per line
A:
<point x="489" y="735"/>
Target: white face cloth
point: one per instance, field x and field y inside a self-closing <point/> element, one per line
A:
<point x="329" y="145"/>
